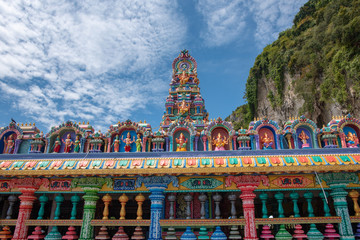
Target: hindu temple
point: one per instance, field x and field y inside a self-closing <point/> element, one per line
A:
<point x="193" y="178"/>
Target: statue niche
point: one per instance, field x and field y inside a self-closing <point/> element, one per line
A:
<point x="127" y="141"/>
<point x="220" y="139"/>
<point x="181" y="141"/>
<point x="8" y="142"/>
<point x="351" y="136"/>
<point x="267" y="139"/>
<point x="305" y="137"/>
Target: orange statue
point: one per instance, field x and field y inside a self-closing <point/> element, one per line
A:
<point x="220" y="142"/>
<point x="181" y="143"/>
<point x="267" y="142"/>
<point x="9" y="144"/>
<point x="128" y="142"/>
<point x="116" y="143"/>
<point x="184" y="78"/>
<point x="183" y="107"/>
<point x="68" y="143"/>
<point x="303" y="137"/>
<point x="351" y="140"/>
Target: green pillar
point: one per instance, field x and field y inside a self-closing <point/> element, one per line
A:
<point x="43" y="200"/>
<point x="55" y="234"/>
<point x="313" y="233"/>
<point x="279" y="198"/>
<point x="263" y="197"/>
<point x="337" y="183"/>
<point x="75" y="199"/>
<point x="91" y="187"/>
<point x="295" y="198"/>
<point x="326" y="205"/>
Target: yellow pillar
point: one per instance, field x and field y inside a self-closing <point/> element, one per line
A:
<point x="106" y="199"/>
<point x="355" y="196"/>
<point x="123" y="200"/>
<point x="140" y="200"/>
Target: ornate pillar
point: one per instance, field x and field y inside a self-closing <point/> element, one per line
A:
<point x="294" y="198"/>
<point x="82" y="142"/>
<point x="27" y="186"/>
<point x="196" y="143"/>
<point x="337" y="183"/>
<point x="17" y="145"/>
<point x="12" y="199"/>
<point x="91" y="186"/>
<point x="157" y="186"/>
<point x="247" y="184"/>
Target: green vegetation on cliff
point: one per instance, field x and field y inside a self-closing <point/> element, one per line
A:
<point x="321" y="52"/>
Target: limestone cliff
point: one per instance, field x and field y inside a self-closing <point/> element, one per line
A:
<point x="313" y="68"/>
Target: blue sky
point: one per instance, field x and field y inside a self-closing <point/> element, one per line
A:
<point x="108" y="61"/>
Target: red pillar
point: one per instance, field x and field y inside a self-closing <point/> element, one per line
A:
<point x="247" y="184"/>
<point x="27" y="186"/>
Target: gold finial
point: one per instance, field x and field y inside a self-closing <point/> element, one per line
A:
<point x="333" y="117"/>
<point x="26" y="124"/>
<point x="83" y="122"/>
<point x="88" y="123"/>
<point x="144" y="121"/>
<point x="140" y="121"/>
<point x="18" y="124"/>
<point x="79" y="123"/>
<point x="22" y="124"/>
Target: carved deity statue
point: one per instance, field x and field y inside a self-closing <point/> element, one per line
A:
<point x="9" y="144"/>
<point x="57" y="145"/>
<point x="220" y="142"/>
<point x="68" y="143"/>
<point x="183" y="107"/>
<point x="181" y="143"/>
<point x="267" y="142"/>
<point x="116" y="143"/>
<point x="303" y="137"/>
<point x="184" y="78"/>
<point x="77" y="144"/>
<point x="128" y="142"/>
<point x="138" y="143"/>
<point x="351" y="140"/>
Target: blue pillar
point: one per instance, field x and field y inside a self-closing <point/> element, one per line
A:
<point x="157" y="202"/>
<point x="157" y="186"/>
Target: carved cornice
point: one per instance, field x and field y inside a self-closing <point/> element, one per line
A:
<point x="91" y="182"/>
<point x="339" y="178"/>
<point x="155" y="181"/>
<point x="245" y="180"/>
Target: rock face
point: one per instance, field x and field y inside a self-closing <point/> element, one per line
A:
<point x="312" y="69"/>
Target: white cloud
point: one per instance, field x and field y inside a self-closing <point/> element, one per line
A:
<point x="64" y="60"/>
<point x="226" y="20"/>
<point x="272" y="17"/>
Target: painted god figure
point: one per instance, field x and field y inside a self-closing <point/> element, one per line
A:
<point x="183" y="107"/>
<point x="183" y="78"/>
<point x="68" y="143"/>
<point x="138" y="143"/>
<point x="9" y="144"/>
<point x="220" y="142"/>
<point x="77" y="145"/>
<point x="351" y="140"/>
<point x="303" y="137"/>
<point x="116" y="144"/>
<point x="128" y="142"/>
<point x="181" y="143"/>
<point x="57" y="145"/>
<point x="267" y="142"/>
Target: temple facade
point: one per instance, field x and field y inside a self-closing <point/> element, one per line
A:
<point x="193" y="178"/>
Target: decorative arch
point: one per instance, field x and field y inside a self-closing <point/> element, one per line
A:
<point x="12" y="130"/>
<point x="309" y="128"/>
<point x="176" y="128"/>
<point x="347" y="127"/>
<point x="122" y="129"/>
<point x="269" y="127"/>
<point x="62" y="131"/>
<point x="225" y="129"/>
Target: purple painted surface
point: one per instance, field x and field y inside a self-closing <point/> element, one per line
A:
<point x="307" y="132"/>
<point x="63" y="138"/>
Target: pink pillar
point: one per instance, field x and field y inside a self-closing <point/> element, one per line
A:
<point x="27" y="186"/>
<point x="247" y="196"/>
<point x="109" y="145"/>
<point x="247" y="184"/>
